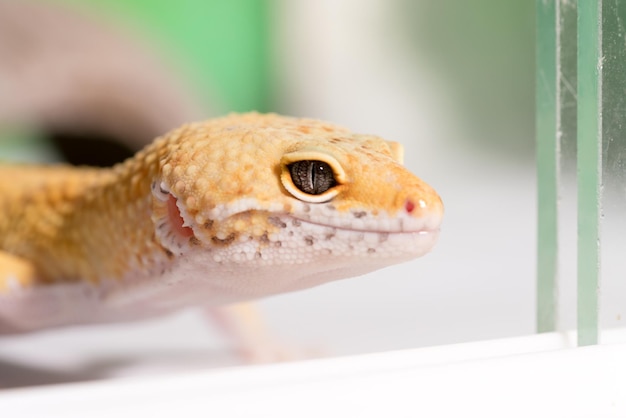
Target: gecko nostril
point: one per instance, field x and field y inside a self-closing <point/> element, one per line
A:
<point x="409" y="206"/>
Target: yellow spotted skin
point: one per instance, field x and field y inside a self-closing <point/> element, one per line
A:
<point x="209" y="207"/>
<point x="76" y="224"/>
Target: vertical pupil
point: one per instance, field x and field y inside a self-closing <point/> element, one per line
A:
<point x="312" y="177"/>
<point x="317" y="175"/>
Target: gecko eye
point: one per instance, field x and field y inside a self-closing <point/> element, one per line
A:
<point x="312" y="177"/>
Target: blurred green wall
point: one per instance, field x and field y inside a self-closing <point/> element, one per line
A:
<point x="225" y="44"/>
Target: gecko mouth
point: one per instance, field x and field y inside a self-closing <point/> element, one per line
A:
<point x="377" y="243"/>
<point x="387" y="226"/>
<point x="391" y="240"/>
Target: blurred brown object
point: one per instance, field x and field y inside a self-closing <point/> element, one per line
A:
<point x="94" y="89"/>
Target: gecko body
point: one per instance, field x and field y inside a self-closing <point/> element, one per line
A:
<point x="222" y="211"/>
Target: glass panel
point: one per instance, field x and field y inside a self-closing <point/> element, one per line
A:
<point x="580" y="62"/>
<point x="547" y="166"/>
<point x="556" y="159"/>
<point x="613" y="154"/>
<point x="589" y="165"/>
<point x="566" y="134"/>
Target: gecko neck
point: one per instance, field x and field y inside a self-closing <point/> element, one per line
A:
<point x="126" y="240"/>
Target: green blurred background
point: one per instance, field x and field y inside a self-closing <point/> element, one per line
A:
<point x="224" y="45"/>
<point x="244" y="55"/>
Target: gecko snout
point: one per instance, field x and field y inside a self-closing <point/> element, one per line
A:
<point x="423" y="206"/>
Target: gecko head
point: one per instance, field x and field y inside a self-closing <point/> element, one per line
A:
<point x="296" y="199"/>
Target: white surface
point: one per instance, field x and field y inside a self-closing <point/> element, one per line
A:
<point x="521" y="377"/>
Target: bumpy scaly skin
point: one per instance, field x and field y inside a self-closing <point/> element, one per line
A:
<point x="206" y="215"/>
